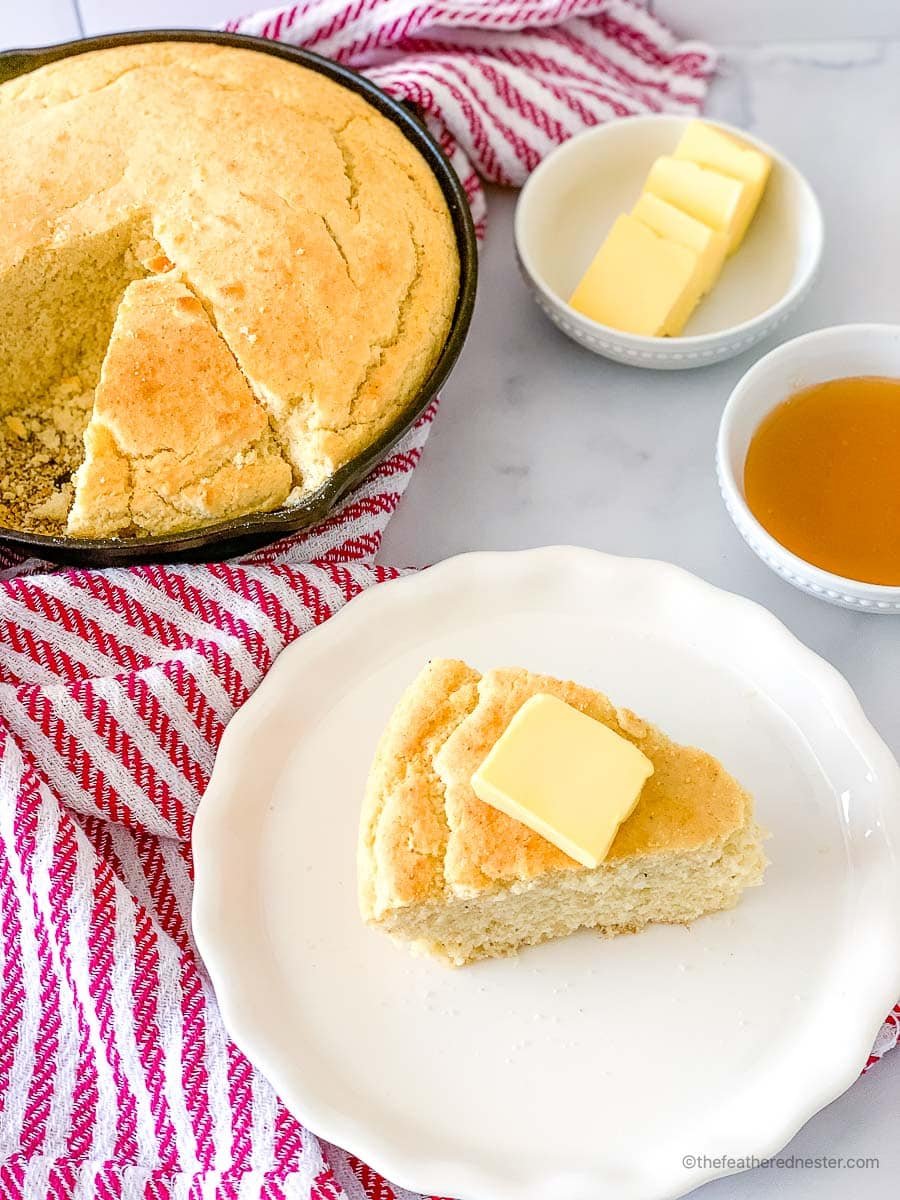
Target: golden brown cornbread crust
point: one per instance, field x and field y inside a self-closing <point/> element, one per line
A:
<point x="403" y="828"/>
<point x="312" y="232"/>
<point x="176" y="436"/>
<point x="425" y="835"/>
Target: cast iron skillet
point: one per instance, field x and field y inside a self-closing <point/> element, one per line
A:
<point x="227" y="538"/>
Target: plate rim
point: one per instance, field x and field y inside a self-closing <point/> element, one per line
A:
<point x="847" y="1054"/>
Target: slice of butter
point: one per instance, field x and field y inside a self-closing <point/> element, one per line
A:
<point x="715" y="148"/>
<point x="720" y="201"/>
<point x="564" y="775"/>
<point x="670" y="222"/>
<point x="639" y="282"/>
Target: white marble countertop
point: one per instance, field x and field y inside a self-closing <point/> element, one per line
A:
<point x="538" y="441"/>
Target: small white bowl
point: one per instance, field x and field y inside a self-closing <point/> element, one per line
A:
<point x="835" y="353"/>
<point x="572" y="199"/>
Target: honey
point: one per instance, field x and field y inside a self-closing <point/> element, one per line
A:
<point x="823" y="477"/>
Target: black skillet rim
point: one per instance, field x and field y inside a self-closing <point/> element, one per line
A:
<point x="241" y="534"/>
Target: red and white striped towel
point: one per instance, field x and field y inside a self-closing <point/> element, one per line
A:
<point x="117" y="1077"/>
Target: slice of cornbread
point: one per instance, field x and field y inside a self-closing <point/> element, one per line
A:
<point x="455" y="878"/>
<point x="176" y="437"/>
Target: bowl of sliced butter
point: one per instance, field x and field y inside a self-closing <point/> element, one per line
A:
<point x="666" y="242"/>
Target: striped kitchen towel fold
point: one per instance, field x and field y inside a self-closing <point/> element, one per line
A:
<point x="117" y="1078"/>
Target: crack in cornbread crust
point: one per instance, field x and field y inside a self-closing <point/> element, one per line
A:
<point x="314" y="231"/>
<point x="428" y="846"/>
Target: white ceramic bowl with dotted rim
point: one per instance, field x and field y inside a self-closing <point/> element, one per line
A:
<point x="842" y="350"/>
<point x="572" y="199"/>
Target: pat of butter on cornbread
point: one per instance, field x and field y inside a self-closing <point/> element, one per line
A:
<point x="447" y="875"/>
<point x="566" y="776"/>
<point x="698" y="202"/>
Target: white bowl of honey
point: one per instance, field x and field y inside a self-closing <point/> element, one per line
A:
<point x="808" y="460"/>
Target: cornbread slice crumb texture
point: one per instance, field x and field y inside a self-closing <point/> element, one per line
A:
<point x="311" y="232"/>
<point x="454" y="878"/>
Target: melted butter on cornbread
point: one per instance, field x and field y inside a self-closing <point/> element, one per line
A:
<point x="312" y="233"/>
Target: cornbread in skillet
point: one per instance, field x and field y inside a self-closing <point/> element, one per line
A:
<point x="460" y="880"/>
<point x="224" y="242"/>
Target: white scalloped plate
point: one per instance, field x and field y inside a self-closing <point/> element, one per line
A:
<point x="584" y="1067"/>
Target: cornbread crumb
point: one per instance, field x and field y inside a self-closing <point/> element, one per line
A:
<point x="42" y="447"/>
<point x="55" y="508"/>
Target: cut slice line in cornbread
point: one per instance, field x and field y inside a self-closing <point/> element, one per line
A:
<point x="564" y="775"/>
<point x="639" y="282"/>
<point x="447" y="875"/>
<point x="720" y="151"/>
<point x="720" y="201"/>
<point x="670" y="222"/>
